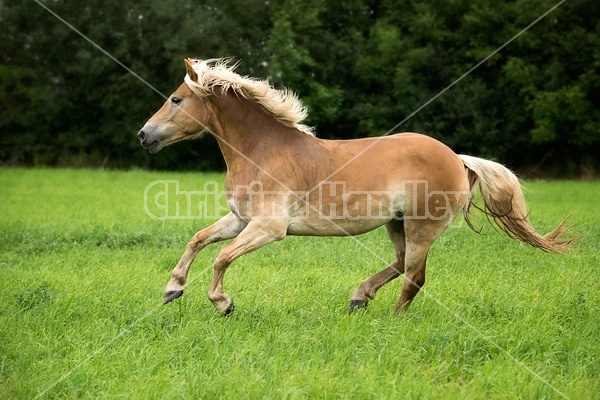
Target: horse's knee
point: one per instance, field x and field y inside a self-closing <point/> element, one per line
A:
<point x="222" y="261"/>
<point x="195" y="244"/>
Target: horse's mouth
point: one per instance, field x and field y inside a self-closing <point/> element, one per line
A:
<point x="154" y="147"/>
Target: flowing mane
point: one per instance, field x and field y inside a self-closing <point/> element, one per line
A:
<point x="283" y="104"/>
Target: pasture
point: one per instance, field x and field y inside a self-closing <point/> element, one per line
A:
<point x="83" y="270"/>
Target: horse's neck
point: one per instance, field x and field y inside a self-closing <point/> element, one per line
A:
<point x="246" y="133"/>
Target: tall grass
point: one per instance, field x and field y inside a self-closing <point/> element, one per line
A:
<point x="83" y="269"/>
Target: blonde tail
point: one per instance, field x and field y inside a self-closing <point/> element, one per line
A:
<point x="504" y="202"/>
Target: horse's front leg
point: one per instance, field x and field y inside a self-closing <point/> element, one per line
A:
<point x="257" y="234"/>
<point x="226" y="228"/>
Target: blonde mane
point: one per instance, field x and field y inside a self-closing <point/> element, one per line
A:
<point x="283" y="104"/>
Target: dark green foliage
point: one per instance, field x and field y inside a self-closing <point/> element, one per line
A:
<point x="361" y="67"/>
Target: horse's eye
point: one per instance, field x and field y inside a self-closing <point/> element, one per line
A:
<point x="175" y="100"/>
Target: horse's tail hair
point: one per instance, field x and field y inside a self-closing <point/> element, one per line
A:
<point x="504" y="202"/>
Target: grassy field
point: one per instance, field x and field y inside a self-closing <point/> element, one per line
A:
<point x="83" y="269"/>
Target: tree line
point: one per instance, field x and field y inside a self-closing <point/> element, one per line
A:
<point x="362" y="67"/>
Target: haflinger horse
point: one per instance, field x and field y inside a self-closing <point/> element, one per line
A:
<point x="281" y="180"/>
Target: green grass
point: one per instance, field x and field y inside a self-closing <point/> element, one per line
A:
<point x="83" y="270"/>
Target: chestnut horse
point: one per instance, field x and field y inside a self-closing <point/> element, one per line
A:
<point x="282" y="180"/>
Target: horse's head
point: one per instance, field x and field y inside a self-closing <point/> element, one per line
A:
<point x="183" y="116"/>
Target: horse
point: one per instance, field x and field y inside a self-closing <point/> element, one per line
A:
<point x="282" y="180"/>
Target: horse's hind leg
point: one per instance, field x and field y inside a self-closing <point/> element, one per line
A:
<point x="420" y="234"/>
<point x="414" y="277"/>
<point x="369" y="287"/>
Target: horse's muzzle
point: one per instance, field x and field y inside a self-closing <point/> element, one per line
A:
<point x="148" y="143"/>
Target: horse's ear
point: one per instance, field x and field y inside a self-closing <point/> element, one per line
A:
<point x="190" y="69"/>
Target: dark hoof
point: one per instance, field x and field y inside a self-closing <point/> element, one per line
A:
<point x="230" y="308"/>
<point x="356" y="304"/>
<point x="172" y="295"/>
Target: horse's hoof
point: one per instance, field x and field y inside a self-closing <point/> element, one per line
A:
<point x="356" y="304"/>
<point x="172" y="295"/>
<point x="230" y="308"/>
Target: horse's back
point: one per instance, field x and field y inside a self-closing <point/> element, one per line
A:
<point x="384" y="161"/>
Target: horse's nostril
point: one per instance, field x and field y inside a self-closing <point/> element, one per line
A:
<point x="141" y="136"/>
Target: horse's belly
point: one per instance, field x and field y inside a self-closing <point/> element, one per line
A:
<point x="334" y="227"/>
<point x="341" y="212"/>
